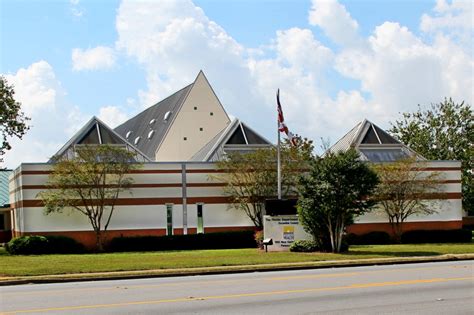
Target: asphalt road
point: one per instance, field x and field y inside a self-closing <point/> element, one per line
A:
<point x="431" y="288"/>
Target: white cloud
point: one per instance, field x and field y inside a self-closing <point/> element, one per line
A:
<point x="112" y="116"/>
<point x="100" y="57"/>
<point x="395" y="68"/>
<point x="76" y="10"/>
<point x="333" y="18"/>
<point x="53" y="119"/>
<point x="457" y="16"/>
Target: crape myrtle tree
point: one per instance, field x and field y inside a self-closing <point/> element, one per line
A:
<point x="332" y="194"/>
<point x="13" y="122"/>
<point x="90" y="184"/>
<point x="251" y="177"/>
<point x="443" y="132"/>
<point x="403" y="191"/>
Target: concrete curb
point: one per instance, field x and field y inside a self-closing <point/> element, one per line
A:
<point x="119" y="275"/>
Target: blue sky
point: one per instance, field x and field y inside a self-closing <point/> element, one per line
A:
<point x="336" y="62"/>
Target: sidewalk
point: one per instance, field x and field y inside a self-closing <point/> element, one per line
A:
<point x="117" y="275"/>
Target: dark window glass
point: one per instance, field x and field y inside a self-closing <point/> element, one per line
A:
<point x="384" y="155"/>
<point x="370" y="137"/>
<point x="237" y="137"/>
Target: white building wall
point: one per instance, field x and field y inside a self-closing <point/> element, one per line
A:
<point x="145" y="207"/>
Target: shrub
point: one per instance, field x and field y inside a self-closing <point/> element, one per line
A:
<point x="371" y="238"/>
<point x="27" y="245"/>
<point x="437" y="236"/>
<point x="37" y="245"/>
<point x="258" y="236"/>
<point x="59" y="244"/>
<point x="225" y="240"/>
<point x="304" y="246"/>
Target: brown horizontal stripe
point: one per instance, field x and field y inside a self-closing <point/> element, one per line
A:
<point x="168" y="185"/>
<point x="191" y="200"/>
<point x="437" y="169"/>
<point x="175" y="171"/>
<point x="139" y="201"/>
<point x="155" y="171"/>
<point x="441" y="196"/>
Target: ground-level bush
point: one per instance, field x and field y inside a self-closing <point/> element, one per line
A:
<point x="437" y="236"/>
<point x="304" y="246"/>
<point x="371" y="238"/>
<point x="258" y="236"/>
<point x="36" y="245"/>
<point x="224" y="240"/>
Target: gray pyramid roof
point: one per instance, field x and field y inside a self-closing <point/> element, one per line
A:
<point x="373" y="144"/>
<point x="150" y="125"/>
<point x="96" y="132"/>
<point x="237" y="136"/>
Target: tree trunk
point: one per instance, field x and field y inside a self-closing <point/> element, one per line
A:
<point x="98" y="241"/>
<point x="397" y="231"/>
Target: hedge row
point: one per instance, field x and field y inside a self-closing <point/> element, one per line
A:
<point x="37" y="245"/>
<point x="437" y="236"/>
<point x="224" y="240"/>
<point x="371" y="238"/>
<point x="413" y="237"/>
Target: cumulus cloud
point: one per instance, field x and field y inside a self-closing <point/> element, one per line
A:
<point x="100" y="57"/>
<point x="53" y="119"/>
<point x="112" y="115"/>
<point x="333" y="18"/>
<point x="396" y="69"/>
<point x="458" y="14"/>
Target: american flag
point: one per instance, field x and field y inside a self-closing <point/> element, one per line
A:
<point x="281" y="122"/>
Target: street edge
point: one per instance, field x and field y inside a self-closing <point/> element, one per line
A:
<point x="161" y="273"/>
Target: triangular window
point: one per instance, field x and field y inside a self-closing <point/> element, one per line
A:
<point x="252" y="137"/>
<point x="370" y="137"/>
<point x="237" y="137"/>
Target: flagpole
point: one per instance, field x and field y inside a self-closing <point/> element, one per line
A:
<point x="278" y="161"/>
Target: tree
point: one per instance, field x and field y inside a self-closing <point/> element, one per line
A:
<point x="402" y="192"/>
<point x="251" y="178"/>
<point x="90" y="183"/>
<point x="13" y="122"/>
<point x="444" y="132"/>
<point x="334" y="191"/>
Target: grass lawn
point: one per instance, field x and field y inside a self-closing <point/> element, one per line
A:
<point x="63" y="264"/>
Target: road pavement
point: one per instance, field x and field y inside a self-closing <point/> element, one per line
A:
<point x="429" y="288"/>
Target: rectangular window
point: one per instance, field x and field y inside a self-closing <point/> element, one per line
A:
<point x="200" y="221"/>
<point x="2" y="221"/>
<point x="169" y="219"/>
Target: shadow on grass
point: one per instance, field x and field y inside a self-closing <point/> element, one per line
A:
<point x="393" y="254"/>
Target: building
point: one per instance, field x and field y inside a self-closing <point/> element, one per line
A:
<point x="377" y="146"/>
<point x="174" y="193"/>
<point x="179" y="139"/>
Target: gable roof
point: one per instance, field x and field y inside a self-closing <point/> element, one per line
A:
<point x="236" y="136"/>
<point x="153" y="119"/>
<point x="96" y="132"/>
<point x="373" y="144"/>
<point x="4" y="189"/>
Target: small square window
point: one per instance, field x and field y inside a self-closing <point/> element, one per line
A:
<point x="212" y="114"/>
<point x="201" y="129"/>
<point x="195" y="108"/>
<point x="185" y="138"/>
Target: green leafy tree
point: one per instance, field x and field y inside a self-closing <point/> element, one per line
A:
<point x="402" y="192"/>
<point x="332" y="194"/>
<point x="443" y="132"/>
<point x="90" y="183"/>
<point x="13" y="122"/>
<point x="251" y="177"/>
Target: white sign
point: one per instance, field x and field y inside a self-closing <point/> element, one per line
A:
<point x="284" y="230"/>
